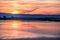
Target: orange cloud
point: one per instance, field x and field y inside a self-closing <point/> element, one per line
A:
<point x="46" y="11"/>
<point x="46" y="8"/>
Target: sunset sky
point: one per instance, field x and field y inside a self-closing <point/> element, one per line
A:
<point x="30" y="6"/>
<point x="23" y="27"/>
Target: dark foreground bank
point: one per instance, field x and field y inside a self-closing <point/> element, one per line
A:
<point x="45" y="19"/>
<point x="33" y="39"/>
<point x="39" y="17"/>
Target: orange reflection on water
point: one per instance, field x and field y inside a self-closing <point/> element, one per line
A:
<point x="15" y="24"/>
<point x="10" y="24"/>
<point x="18" y="24"/>
<point x="28" y="29"/>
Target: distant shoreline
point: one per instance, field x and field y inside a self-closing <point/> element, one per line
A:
<point x="26" y="19"/>
<point x="43" y="38"/>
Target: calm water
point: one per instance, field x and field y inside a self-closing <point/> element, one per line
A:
<point x="10" y="29"/>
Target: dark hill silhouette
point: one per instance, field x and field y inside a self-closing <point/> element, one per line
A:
<point x="41" y="17"/>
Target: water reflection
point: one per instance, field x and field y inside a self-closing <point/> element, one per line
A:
<point x="28" y="29"/>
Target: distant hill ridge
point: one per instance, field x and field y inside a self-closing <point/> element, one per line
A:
<point x="41" y="17"/>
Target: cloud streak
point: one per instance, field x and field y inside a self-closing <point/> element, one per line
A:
<point x="27" y="6"/>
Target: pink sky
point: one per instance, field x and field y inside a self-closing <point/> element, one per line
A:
<point x="30" y="6"/>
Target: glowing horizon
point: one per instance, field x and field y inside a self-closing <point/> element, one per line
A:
<point x="14" y="12"/>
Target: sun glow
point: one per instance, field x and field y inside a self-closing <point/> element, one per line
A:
<point x="15" y="12"/>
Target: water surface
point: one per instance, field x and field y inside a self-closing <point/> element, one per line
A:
<point x="10" y="29"/>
